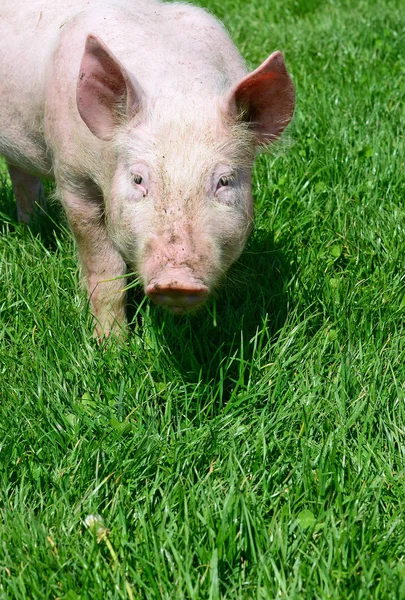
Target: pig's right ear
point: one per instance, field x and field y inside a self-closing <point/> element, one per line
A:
<point x="105" y="91"/>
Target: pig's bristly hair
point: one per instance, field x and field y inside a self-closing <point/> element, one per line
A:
<point x="184" y="128"/>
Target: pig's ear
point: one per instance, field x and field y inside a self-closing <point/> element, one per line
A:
<point x="265" y="99"/>
<point x="105" y="91"/>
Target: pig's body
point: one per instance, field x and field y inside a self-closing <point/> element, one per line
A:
<point x="134" y="125"/>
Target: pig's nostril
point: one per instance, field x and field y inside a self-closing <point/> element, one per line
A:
<point x="177" y="299"/>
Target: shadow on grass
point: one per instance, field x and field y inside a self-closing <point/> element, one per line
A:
<point x="48" y="221"/>
<point x="248" y="309"/>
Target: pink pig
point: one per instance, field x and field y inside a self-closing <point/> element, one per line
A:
<point x="145" y="116"/>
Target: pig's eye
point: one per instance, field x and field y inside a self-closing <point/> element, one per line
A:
<point x="137" y="179"/>
<point x="224" y="182"/>
<point x="139" y="184"/>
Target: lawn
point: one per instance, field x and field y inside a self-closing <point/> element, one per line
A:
<point x="257" y="449"/>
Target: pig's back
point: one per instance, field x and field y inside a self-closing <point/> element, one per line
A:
<point x="169" y="48"/>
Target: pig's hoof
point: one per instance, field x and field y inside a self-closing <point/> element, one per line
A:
<point x="102" y="333"/>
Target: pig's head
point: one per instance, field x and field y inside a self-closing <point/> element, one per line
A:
<point x="180" y="207"/>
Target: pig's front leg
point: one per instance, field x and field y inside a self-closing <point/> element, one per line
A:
<point x="28" y="192"/>
<point x="102" y="266"/>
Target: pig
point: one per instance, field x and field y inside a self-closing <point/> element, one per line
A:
<point x="147" y="119"/>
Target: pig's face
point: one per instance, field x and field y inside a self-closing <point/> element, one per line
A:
<point x="180" y="208"/>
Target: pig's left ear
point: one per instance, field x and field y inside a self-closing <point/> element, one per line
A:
<point x="105" y="90"/>
<point x="265" y="99"/>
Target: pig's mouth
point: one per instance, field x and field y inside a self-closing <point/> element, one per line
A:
<point x="177" y="295"/>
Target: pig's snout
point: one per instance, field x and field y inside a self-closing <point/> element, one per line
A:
<point x="177" y="295"/>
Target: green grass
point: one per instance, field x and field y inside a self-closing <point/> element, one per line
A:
<point x="256" y="450"/>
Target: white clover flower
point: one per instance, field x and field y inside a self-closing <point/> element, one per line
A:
<point x="96" y="525"/>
